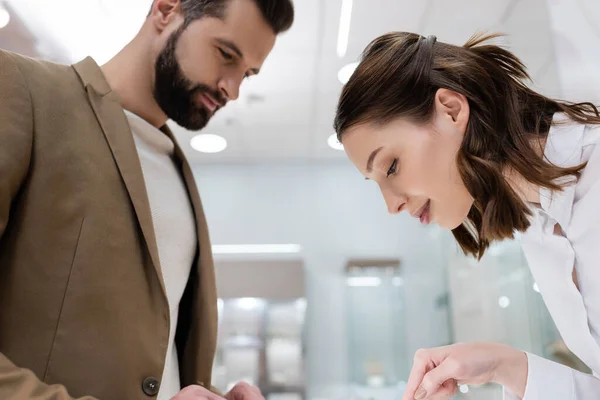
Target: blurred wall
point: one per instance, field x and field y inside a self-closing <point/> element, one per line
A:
<point x="575" y="28"/>
<point x="334" y="214"/>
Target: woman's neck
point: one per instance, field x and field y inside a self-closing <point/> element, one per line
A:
<point x="527" y="191"/>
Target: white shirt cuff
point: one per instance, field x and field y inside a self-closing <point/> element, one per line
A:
<point x="546" y="380"/>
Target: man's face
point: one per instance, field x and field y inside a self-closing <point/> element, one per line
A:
<point x="202" y="65"/>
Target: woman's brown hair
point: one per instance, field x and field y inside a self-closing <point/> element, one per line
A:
<point x="398" y="76"/>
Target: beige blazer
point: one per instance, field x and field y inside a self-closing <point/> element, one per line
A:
<point x="83" y="309"/>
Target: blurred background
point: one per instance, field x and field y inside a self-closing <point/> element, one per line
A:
<point x="324" y="296"/>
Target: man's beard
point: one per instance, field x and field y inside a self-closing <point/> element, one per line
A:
<point x="176" y="95"/>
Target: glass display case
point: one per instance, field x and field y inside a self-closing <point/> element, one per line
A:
<point x="378" y="360"/>
<point x="261" y="342"/>
<point x="494" y="299"/>
<point x="497" y="299"/>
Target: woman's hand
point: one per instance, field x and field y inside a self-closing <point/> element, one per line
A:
<point x="437" y="372"/>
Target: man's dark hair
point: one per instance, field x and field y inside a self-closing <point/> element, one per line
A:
<point x="279" y="14"/>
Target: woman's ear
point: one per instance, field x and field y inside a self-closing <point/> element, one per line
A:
<point x="453" y="106"/>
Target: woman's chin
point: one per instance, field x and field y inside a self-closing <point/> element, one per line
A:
<point x="451" y="223"/>
<point x="455" y="220"/>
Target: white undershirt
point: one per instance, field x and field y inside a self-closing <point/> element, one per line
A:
<point x="174" y="227"/>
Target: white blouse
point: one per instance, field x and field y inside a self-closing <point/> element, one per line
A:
<point x="552" y="257"/>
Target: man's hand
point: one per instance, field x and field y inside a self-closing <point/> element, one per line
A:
<point x="241" y="391"/>
<point x="244" y="391"/>
<point x="195" y="392"/>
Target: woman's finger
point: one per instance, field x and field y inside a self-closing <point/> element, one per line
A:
<point x="422" y="363"/>
<point x="437" y="379"/>
<point x="446" y="391"/>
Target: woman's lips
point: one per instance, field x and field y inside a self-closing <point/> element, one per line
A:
<point x="423" y="213"/>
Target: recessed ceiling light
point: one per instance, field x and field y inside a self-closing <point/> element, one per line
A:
<point x="346" y="72"/>
<point x="334" y="143"/>
<point x="208" y="143"/>
<point x="4" y="17"/>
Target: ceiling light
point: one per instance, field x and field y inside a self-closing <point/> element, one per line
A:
<point x="208" y="143"/>
<point x="463" y="388"/>
<point x="346" y="72"/>
<point x="364" y="281"/>
<point x="504" y="302"/>
<point x="344" y="30"/>
<point x="334" y="143"/>
<point x="256" y="248"/>
<point x="4" y="17"/>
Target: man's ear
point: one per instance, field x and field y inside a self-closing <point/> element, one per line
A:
<point x="163" y="13"/>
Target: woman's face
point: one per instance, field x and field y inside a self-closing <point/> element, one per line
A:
<point x="415" y="165"/>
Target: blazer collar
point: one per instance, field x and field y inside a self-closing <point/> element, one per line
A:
<point x="114" y="124"/>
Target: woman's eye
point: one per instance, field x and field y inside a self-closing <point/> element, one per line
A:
<point x="226" y="55"/>
<point x="393" y="167"/>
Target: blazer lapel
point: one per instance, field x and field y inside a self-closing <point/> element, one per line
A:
<point x="113" y="122"/>
<point x="206" y="266"/>
<point x="204" y="334"/>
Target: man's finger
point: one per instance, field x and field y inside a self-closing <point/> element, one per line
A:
<point x="200" y="392"/>
<point x="244" y="391"/>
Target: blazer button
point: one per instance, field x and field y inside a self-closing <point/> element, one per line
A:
<point x="150" y="386"/>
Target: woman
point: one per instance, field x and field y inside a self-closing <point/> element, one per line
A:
<point x="453" y="135"/>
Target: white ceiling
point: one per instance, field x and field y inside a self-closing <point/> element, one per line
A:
<point x="286" y="113"/>
<point x="576" y="32"/>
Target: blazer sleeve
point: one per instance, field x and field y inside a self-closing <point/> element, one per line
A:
<point x="549" y="380"/>
<point x="16" y="141"/>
